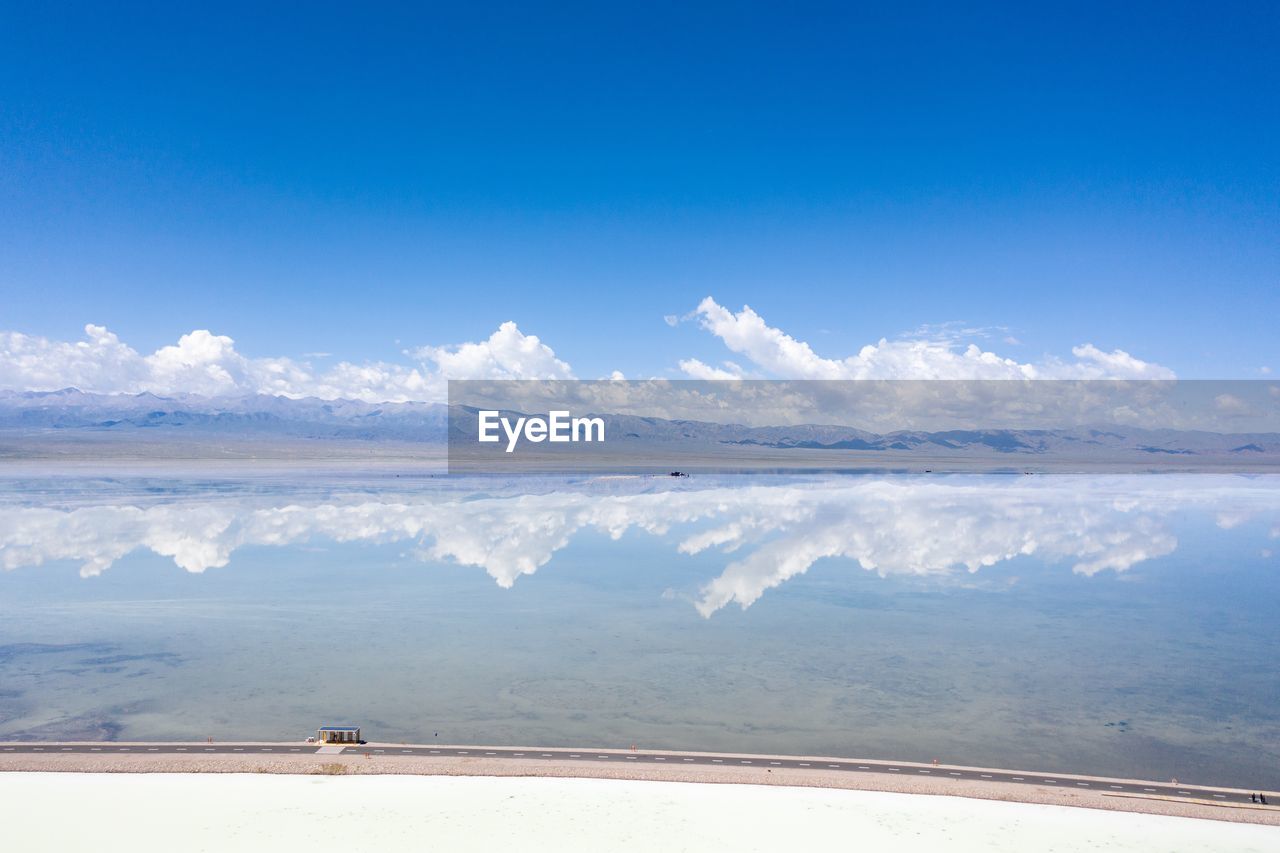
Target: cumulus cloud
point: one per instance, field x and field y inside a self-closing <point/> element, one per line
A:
<point x="698" y="370"/>
<point x="507" y="354"/>
<point x="775" y="354"/>
<point x="208" y="364"/>
<point x="1230" y="404"/>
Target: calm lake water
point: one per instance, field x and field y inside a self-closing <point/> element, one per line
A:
<point x="1122" y="625"/>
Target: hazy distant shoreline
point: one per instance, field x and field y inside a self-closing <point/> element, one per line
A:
<point x="76" y="449"/>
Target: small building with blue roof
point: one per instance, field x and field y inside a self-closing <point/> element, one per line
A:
<point x="338" y="734"/>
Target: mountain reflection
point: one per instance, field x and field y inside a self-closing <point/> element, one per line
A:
<point x="767" y="531"/>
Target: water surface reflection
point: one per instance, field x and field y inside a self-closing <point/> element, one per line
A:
<point x="1109" y="625"/>
<point x="768" y="532"/>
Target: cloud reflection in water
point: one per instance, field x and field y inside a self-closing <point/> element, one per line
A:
<point x="769" y="532"/>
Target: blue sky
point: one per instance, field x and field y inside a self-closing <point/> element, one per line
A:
<point x="360" y="181"/>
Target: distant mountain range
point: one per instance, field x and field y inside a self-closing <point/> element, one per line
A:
<point x="1071" y="443"/>
<point x="254" y="416"/>
<point x="28" y="418"/>
<point x="1032" y="441"/>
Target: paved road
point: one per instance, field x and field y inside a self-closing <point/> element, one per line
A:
<point x="688" y="758"/>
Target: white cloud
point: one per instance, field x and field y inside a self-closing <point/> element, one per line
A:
<point x="1230" y="404"/>
<point x="1093" y="363"/>
<point x="208" y="364"/>
<point x="776" y="354"/>
<point x="698" y="370"/>
<point x="507" y="354"/>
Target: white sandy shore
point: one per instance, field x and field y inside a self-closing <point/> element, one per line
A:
<point x="227" y="812"/>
